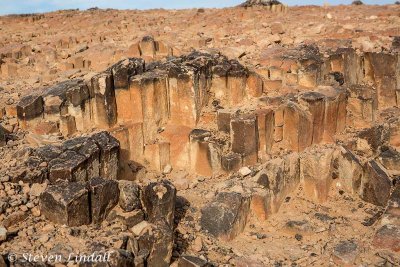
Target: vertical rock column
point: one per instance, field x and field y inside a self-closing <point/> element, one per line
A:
<point x="244" y="138"/>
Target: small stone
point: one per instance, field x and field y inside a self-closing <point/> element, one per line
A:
<point x="345" y="253"/>
<point x="36" y="211"/>
<point x="139" y="228"/>
<point x="298" y="237"/>
<point x="244" y="171"/>
<point x="3" y="234"/>
<point x="167" y="169"/>
<point x="129" y="197"/>
<point x="197" y="244"/>
<point x="37" y="189"/>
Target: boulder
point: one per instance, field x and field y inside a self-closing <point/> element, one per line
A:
<point x="69" y="166"/>
<point x="387" y="237"/>
<point x="30" y="107"/>
<point x="226" y="215"/>
<point x="158" y="200"/>
<point x="86" y="147"/>
<point x="129" y="197"/>
<point x="66" y="203"/>
<point x="153" y="247"/>
<point x="345" y="253"/>
<point x="104" y="195"/>
<point x="376" y="184"/>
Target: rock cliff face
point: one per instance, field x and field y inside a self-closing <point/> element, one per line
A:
<point x="200" y="159"/>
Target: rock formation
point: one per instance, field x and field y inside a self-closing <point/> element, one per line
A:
<point x="166" y="154"/>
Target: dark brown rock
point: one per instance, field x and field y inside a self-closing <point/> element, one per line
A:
<point x="231" y="162"/>
<point x="86" y="147"/>
<point x="244" y="138"/>
<point x="124" y="69"/>
<point x="158" y="201"/>
<point x="376" y="184"/>
<point x="345" y="253"/>
<point x="30" y="107"/>
<point x="109" y="154"/>
<point x="226" y="216"/>
<point x="69" y="166"/>
<point x="388" y="237"/>
<point x="104" y="195"/>
<point x="66" y="203"/>
<point x="129" y="198"/>
<point x="158" y="241"/>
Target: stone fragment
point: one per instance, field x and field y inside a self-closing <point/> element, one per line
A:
<point x="226" y="215"/>
<point x="154" y="245"/>
<point x="345" y="253"/>
<point x="376" y="184"/>
<point x="158" y="200"/>
<point x="129" y="219"/>
<point x="192" y="261"/>
<point x="244" y="171"/>
<point x="3" y="234"/>
<point x="129" y="197"/>
<point x="109" y="154"/>
<point x="30" y="107"/>
<point x="388" y="237"/>
<point x="104" y="195"/>
<point x="66" y="203"/>
<point x="231" y="162"/>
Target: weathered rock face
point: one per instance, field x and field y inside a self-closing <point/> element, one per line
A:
<point x="349" y="170"/>
<point x="157" y="240"/>
<point x="226" y="215"/>
<point x="317" y="172"/>
<point x="158" y="200"/>
<point x="79" y="203"/>
<point x="129" y="197"/>
<point x="278" y="178"/>
<point x="76" y="160"/>
<point x="376" y="184"/>
<point x="66" y="204"/>
<point x="104" y="195"/>
<point x="2" y="136"/>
